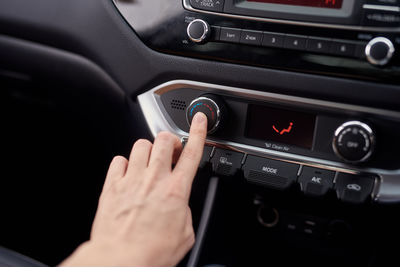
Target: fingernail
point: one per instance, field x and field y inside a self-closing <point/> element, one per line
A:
<point x="199" y="117"/>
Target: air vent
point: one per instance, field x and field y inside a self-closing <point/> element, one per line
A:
<point x="178" y="104"/>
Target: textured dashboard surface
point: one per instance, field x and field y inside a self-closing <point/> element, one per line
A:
<point x="95" y="30"/>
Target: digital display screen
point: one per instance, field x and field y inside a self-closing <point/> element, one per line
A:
<point x="310" y="3"/>
<point x="279" y="125"/>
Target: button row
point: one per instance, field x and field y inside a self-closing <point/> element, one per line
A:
<point x="297" y="42"/>
<point x="282" y="175"/>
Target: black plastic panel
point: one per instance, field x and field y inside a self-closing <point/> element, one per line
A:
<point x="163" y="28"/>
<point x="326" y="124"/>
<point x="95" y="30"/>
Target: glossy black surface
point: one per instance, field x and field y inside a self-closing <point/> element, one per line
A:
<point x="162" y="26"/>
<point x="237" y="125"/>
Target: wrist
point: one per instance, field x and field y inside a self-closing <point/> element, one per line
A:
<point x="93" y="254"/>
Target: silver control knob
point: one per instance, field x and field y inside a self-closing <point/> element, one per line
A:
<point x="212" y="106"/>
<point x="354" y="142"/>
<point x="379" y="51"/>
<point x="198" y="31"/>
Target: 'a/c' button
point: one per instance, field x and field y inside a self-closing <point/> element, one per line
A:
<point x="316" y="182"/>
<point x="270" y="173"/>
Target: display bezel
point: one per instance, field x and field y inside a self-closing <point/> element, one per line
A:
<point x="295" y="128"/>
<point x="348" y="14"/>
<point x="332" y="4"/>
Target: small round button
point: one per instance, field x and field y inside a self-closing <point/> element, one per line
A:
<point x="379" y="51"/>
<point x="212" y="106"/>
<point x="354" y="142"/>
<point x="198" y="31"/>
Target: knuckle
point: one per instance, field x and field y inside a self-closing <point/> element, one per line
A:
<point x="142" y="143"/>
<point x="118" y="160"/>
<point x="175" y="192"/>
<point x="157" y="161"/>
<point x="191" y="239"/>
<point x="166" y="136"/>
<point x="180" y="174"/>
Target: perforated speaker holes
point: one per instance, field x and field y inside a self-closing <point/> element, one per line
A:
<point x="178" y="104"/>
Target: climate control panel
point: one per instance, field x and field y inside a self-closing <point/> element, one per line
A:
<point x="279" y="141"/>
<point x="283" y="175"/>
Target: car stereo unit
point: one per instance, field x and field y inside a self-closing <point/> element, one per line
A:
<point x="372" y="13"/>
<point x="357" y="39"/>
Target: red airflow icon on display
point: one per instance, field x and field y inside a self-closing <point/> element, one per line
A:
<point x="287" y="130"/>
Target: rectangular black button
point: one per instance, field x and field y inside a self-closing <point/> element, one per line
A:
<point x="230" y="35"/>
<point x="360" y="50"/>
<point x="270" y="173"/>
<point x="273" y="39"/>
<point x="343" y="48"/>
<point x="353" y="188"/>
<point x="319" y="45"/>
<point x="295" y="42"/>
<point x="215" y="33"/>
<point x="226" y="162"/>
<point x="316" y="182"/>
<point x="211" y="5"/>
<point x="251" y="37"/>
<point x="381" y="18"/>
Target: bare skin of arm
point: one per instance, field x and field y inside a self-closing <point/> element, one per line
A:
<point x="143" y="218"/>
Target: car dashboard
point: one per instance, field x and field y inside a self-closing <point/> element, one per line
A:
<point x="300" y="164"/>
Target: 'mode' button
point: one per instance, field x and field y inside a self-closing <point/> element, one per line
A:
<point x="270" y="173"/>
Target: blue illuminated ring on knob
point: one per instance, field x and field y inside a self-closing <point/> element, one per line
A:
<point x="216" y="108"/>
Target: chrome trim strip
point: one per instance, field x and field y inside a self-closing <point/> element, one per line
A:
<point x="276" y="155"/>
<point x="387" y="191"/>
<point x="186" y="5"/>
<point x="384" y="8"/>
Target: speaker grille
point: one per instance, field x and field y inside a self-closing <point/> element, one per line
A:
<point x="178" y="104"/>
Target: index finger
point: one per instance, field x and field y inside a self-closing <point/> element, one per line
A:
<point x="189" y="160"/>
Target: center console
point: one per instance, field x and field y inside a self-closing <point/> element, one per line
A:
<point x="304" y="143"/>
<point x="278" y="141"/>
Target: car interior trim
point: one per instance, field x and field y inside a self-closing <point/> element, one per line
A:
<point x="187" y="5"/>
<point x="387" y="191"/>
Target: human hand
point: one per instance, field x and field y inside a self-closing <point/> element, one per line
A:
<point x="143" y="217"/>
